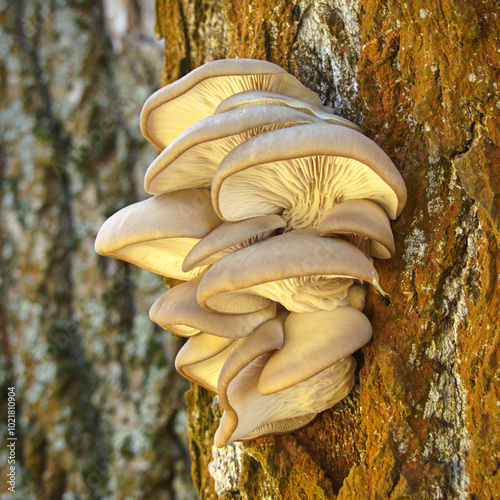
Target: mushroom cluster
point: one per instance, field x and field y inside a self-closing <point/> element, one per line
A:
<point x="271" y="209"/>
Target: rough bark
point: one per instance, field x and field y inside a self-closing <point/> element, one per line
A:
<point x="98" y="405"/>
<point x="421" y="80"/>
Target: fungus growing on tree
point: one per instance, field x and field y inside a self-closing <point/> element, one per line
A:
<point x="300" y="270"/>
<point x="271" y="208"/>
<point x="301" y="172"/>
<point x="191" y="159"/>
<point x="196" y="95"/>
<point x="259" y="97"/>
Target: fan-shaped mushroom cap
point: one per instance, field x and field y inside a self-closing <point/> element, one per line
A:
<point x="231" y="236"/>
<point x="356" y="296"/>
<point x="249" y="415"/>
<point x="178" y="105"/>
<point x="301" y="172"/>
<point x="258" y="97"/>
<point x="363" y="223"/>
<point x="300" y="270"/>
<point x="324" y="337"/>
<point x="178" y="312"/>
<point x="202" y="357"/>
<point x="156" y="234"/>
<point x="191" y="159"/>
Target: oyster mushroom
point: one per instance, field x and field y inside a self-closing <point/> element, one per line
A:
<point x="326" y="337"/>
<point x="259" y="97"/>
<point x="363" y="223"/>
<point x="157" y="234"/>
<point x="300" y="270"/>
<point x="231" y="236"/>
<point x="191" y="159"/>
<point x="178" y="312"/>
<point x="178" y="105"/>
<point x="202" y="357"/>
<point x="301" y="172"/>
<point x="249" y="414"/>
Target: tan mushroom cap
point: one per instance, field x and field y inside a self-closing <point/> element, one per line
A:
<point x="326" y="337"/>
<point x="300" y="270"/>
<point x="202" y="357"/>
<point x="259" y="97"/>
<point x="301" y="172"/>
<point x="356" y="296"/>
<point x="178" y="105"/>
<point x="157" y="234"/>
<point x="248" y="414"/>
<point x="360" y="222"/>
<point x="191" y="159"/>
<point x="178" y="312"/>
<point x="231" y="236"/>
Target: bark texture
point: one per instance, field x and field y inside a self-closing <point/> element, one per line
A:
<point x="420" y="78"/>
<point x="99" y="408"/>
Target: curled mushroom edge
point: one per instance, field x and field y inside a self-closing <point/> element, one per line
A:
<point x="271" y="209"/>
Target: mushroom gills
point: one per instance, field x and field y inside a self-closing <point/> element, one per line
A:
<point x="195" y="167"/>
<point x="301" y="190"/>
<point x="298" y="294"/>
<point x="163" y="257"/>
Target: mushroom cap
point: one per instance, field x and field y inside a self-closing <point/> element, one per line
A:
<point x="258" y="97"/>
<point x="356" y="296"/>
<point x="301" y="172"/>
<point x="360" y="219"/>
<point x="156" y="234"/>
<point x="323" y="336"/>
<point x="249" y="415"/>
<point x="231" y="236"/>
<point x="191" y="159"/>
<point x="202" y="357"/>
<point x="178" y="105"/>
<point x="178" y="312"/>
<point x="301" y="270"/>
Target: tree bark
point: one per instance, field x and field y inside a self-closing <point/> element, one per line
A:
<point x="420" y="79"/>
<point x="98" y="405"/>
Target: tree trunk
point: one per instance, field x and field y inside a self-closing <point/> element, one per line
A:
<point x="420" y="78"/>
<point x="98" y="405"/>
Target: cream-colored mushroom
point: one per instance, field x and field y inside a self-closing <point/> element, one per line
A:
<point x="363" y="223"/>
<point x="300" y="270"/>
<point x="229" y="237"/>
<point x="301" y="172"/>
<point x="178" y="105"/>
<point x="322" y="337"/>
<point x="178" y="312"/>
<point x="249" y="414"/>
<point x="258" y="97"/>
<point x="157" y="234"/>
<point x="202" y="357"/>
<point x="191" y="159"/>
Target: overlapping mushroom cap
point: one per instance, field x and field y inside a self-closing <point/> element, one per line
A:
<point x="231" y="236"/>
<point x="363" y="223"/>
<point x="178" y="105"/>
<point x="301" y="172"/>
<point x="271" y="207"/>
<point x="259" y="97"/>
<point x="191" y="159"/>
<point x="156" y="234"/>
<point x="178" y="311"/>
<point x="300" y="270"/>
<point x="248" y="413"/>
